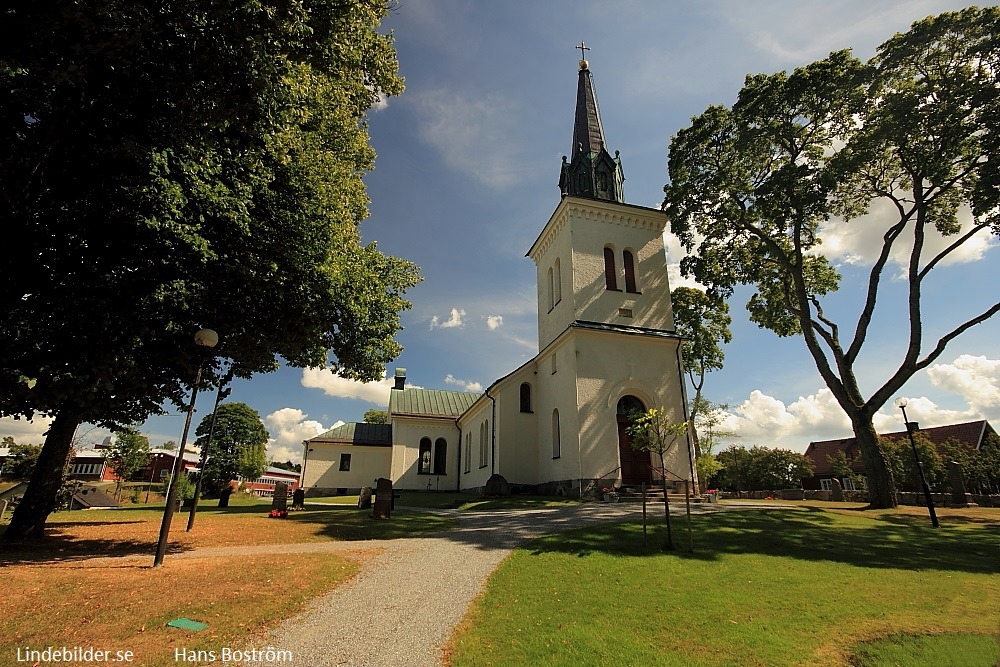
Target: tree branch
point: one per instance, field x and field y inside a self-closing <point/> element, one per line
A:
<point x="944" y="253"/>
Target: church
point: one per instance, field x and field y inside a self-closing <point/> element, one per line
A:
<point x="558" y="423"/>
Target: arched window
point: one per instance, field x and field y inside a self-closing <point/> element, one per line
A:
<point x="610" y="272"/>
<point x="552" y="301"/>
<point x="424" y="462"/>
<point x="525" y="397"/>
<point x="556" y="438"/>
<point x="557" y="278"/>
<point x="440" y="456"/>
<point x="484" y="443"/>
<point x="629" y="272"/>
<point x="468" y="451"/>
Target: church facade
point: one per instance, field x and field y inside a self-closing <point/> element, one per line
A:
<point x="607" y="348"/>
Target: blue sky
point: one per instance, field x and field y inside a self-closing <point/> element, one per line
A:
<point x="467" y="172"/>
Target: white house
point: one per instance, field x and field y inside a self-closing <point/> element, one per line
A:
<point x="607" y="347"/>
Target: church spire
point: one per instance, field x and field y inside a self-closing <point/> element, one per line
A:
<point x="591" y="172"/>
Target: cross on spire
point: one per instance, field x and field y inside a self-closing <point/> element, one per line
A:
<point x="583" y="49"/>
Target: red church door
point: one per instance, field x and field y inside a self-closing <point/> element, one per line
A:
<point x="635" y="466"/>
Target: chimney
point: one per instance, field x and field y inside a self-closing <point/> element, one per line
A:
<point x="400" y="378"/>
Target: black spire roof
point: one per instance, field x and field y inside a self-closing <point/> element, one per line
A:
<point x="592" y="172"/>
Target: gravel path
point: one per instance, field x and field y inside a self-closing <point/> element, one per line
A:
<point x="403" y="605"/>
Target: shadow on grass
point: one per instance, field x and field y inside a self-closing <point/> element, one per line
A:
<point x="805" y="535"/>
<point x="59" y="548"/>
<point x="350" y="524"/>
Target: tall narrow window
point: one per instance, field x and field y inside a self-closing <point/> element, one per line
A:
<point x="484" y="444"/>
<point x="629" y="272"/>
<point x="424" y="461"/>
<point x="525" y="397"/>
<point x="557" y="277"/>
<point x="440" y="456"/>
<point x="552" y="301"/>
<point x="468" y="452"/>
<point x="345" y="462"/>
<point x="610" y="272"/>
<point x="556" y="439"/>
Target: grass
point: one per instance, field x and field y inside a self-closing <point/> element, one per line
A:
<point x="763" y="588"/>
<point x="947" y="650"/>
<point x="127" y="606"/>
<point x="135" y="530"/>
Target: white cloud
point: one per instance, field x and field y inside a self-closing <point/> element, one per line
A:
<point x="975" y="379"/>
<point x="24" y="431"/>
<point x="473" y="134"/>
<point x="289" y="427"/>
<point x="675" y="251"/>
<point x="921" y="410"/>
<point x="859" y="241"/>
<point x="464" y="385"/>
<point x="457" y="319"/>
<point x="494" y="321"/>
<point x="334" y="385"/>
<point x="767" y="421"/>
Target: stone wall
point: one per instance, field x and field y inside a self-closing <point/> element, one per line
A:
<point x="904" y="498"/>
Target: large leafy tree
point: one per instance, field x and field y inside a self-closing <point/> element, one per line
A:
<point x="238" y="447"/>
<point x="703" y="321"/>
<point x="171" y="166"/>
<point x="754" y="186"/>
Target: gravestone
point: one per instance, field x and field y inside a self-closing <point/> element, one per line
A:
<point x="365" y="498"/>
<point x="497" y="486"/>
<point x="3" y="508"/>
<point x="224" y="496"/>
<point x="837" y="492"/>
<point x="280" y="500"/>
<point x="383" y="498"/>
<point x="959" y="496"/>
<point x="298" y="499"/>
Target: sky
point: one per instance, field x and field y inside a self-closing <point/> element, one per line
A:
<point x="467" y="175"/>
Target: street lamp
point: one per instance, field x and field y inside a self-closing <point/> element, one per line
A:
<point x="910" y="428"/>
<point x="219" y="397"/>
<point x="203" y="338"/>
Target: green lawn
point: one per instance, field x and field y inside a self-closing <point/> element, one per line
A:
<point x="763" y="588"/>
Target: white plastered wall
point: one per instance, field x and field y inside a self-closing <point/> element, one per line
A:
<point x="323" y="466"/>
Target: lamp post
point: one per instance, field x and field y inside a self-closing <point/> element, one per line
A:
<point x="203" y="338"/>
<point x="910" y="428"/>
<point x="219" y="397"/>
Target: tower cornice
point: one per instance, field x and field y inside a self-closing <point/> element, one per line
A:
<point x="599" y="212"/>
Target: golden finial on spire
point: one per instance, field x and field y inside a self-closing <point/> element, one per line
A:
<point x="583" y="56"/>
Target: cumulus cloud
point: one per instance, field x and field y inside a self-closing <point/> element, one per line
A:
<point x="975" y="379"/>
<point x="457" y="319"/>
<point x="334" y="385"/>
<point x="675" y="251"/>
<point x="464" y="385"/>
<point x="288" y="428"/>
<point x="859" y="241"/>
<point x="24" y="431"/>
<point x="765" y="420"/>
<point x="494" y="321"/>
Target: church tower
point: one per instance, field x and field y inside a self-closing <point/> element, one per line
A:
<point x="606" y="339"/>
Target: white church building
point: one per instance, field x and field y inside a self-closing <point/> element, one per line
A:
<point x="556" y="424"/>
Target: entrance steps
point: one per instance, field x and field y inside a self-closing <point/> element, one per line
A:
<point x="632" y="493"/>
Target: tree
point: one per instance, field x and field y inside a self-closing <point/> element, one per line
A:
<point x="169" y="445"/>
<point x="904" y="467"/>
<point x="652" y="431"/>
<point x="708" y="418"/>
<point x="754" y="187"/>
<point x="21" y="459"/>
<point x="128" y="455"/>
<point x="703" y="321"/>
<point x="377" y="417"/>
<point x="762" y="469"/>
<point x="181" y="165"/>
<point x="238" y="447"/>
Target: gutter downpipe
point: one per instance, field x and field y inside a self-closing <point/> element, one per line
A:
<point x="493" y="435"/>
<point x="684" y="408"/>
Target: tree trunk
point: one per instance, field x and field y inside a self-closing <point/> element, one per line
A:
<point x="881" y="486"/>
<point x="28" y="520"/>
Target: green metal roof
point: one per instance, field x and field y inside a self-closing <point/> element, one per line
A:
<point x="430" y="402"/>
<point x="358" y="433"/>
